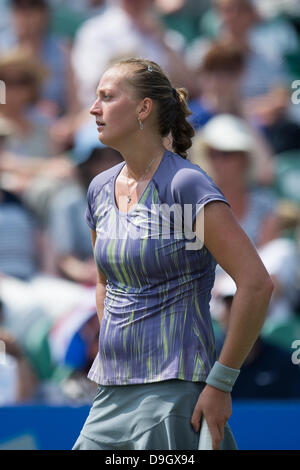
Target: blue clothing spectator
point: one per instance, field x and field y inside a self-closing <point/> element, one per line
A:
<point x="17" y="238"/>
<point x="45" y="46"/>
<point x="268" y="373"/>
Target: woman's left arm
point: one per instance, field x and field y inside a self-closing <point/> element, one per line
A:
<point x="235" y="253"/>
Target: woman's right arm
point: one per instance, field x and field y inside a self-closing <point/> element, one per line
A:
<point x="100" y="285"/>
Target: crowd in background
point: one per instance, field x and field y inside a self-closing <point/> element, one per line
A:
<point x="239" y="61"/>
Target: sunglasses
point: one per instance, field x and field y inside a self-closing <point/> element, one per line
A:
<point x="213" y="153"/>
<point x="20" y="81"/>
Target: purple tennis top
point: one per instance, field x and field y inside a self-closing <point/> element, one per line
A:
<point x="156" y="323"/>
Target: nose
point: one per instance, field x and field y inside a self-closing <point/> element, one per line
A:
<point x="96" y="109"/>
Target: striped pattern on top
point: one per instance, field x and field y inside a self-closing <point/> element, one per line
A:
<point x="156" y="324"/>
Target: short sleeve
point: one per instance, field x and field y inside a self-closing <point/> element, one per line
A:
<point x="90" y="211"/>
<point x="193" y="189"/>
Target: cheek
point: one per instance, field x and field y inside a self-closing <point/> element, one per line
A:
<point x="225" y="169"/>
<point x="218" y="165"/>
<point x="17" y="95"/>
<point x="122" y="116"/>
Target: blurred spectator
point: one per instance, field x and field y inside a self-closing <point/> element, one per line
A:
<point x="230" y="151"/>
<point x="27" y="169"/>
<point x="271" y="34"/>
<point x="219" y="78"/>
<point x="68" y="231"/>
<point x="283" y="133"/>
<point x="282" y="260"/>
<point x="19" y="247"/>
<point x="23" y="76"/>
<point x="268" y="371"/>
<point x="274" y="8"/>
<point x="29" y="27"/>
<point x="67" y="16"/>
<point x="170" y="6"/>
<point x="17" y="379"/>
<point x="182" y="16"/>
<point x="265" y="80"/>
<point x="58" y="335"/>
<point x="73" y="342"/>
<point x="125" y="28"/>
<point x="83" y="8"/>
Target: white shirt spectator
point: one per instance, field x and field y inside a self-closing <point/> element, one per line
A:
<point x="109" y="36"/>
<point x="8" y="380"/>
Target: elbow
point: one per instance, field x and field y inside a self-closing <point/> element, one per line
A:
<point x="265" y="285"/>
<point x="262" y="285"/>
<point x="264" y="291"/>
<point x="269" y="287"/>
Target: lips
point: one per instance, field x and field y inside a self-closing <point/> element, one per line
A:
<point x="100" y="124"/>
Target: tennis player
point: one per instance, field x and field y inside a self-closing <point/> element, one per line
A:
<point x="157" y="368"/>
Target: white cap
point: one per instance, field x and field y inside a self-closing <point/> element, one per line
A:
<point x="227" y="133"/>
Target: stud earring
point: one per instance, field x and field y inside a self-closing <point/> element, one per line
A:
<point x="141" y="124"/>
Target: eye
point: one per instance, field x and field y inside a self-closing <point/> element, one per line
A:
<point x="106" y="97"/>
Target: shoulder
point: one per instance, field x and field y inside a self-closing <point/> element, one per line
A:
<point x="100" y="180"/>
<point x="189" y="180"/>
<point x="180" y="181"/>
<point x="180" y="169"/>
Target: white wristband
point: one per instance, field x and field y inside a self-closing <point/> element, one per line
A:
<point x="222" y="377"/>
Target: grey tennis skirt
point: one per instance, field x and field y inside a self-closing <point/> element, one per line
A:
<point x="153" y="416"/>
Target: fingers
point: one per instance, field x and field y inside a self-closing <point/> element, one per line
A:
<point x="215" y="406"/>
<point x="217" y="433"/>
<point x="216" y="430"/>
<point x="196" y="419"/>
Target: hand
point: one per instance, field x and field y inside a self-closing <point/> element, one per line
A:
<point x="11" y="345"/>
<point x="62" y="133"/>
<point x="59" y="167"/>
<point x="90" y="272"/>
<point x="215" y="405"/>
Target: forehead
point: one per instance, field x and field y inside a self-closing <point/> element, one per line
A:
<point x="115" y="77"/>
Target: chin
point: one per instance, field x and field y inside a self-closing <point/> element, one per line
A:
<point x="102" y="138"/>
<point x="109" y="141"/>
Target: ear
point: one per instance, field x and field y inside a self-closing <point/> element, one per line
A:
<point x="145" y="108"/>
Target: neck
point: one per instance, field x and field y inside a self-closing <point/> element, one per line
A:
<point x="223" y="103"/>
<point x="140" y="154"/>
<point x="12" y="112"/>
<point x="133" y="11"/>
<point x="237" y="197"/>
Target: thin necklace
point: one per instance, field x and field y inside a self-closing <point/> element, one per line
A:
<point x="140" y="179"/>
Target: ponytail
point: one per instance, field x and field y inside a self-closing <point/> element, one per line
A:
<point x="182" y="131"/>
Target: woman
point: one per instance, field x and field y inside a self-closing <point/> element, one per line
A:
<point x="156" y="339"/>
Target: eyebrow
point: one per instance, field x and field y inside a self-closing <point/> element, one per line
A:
<point x="101" y="91"/>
